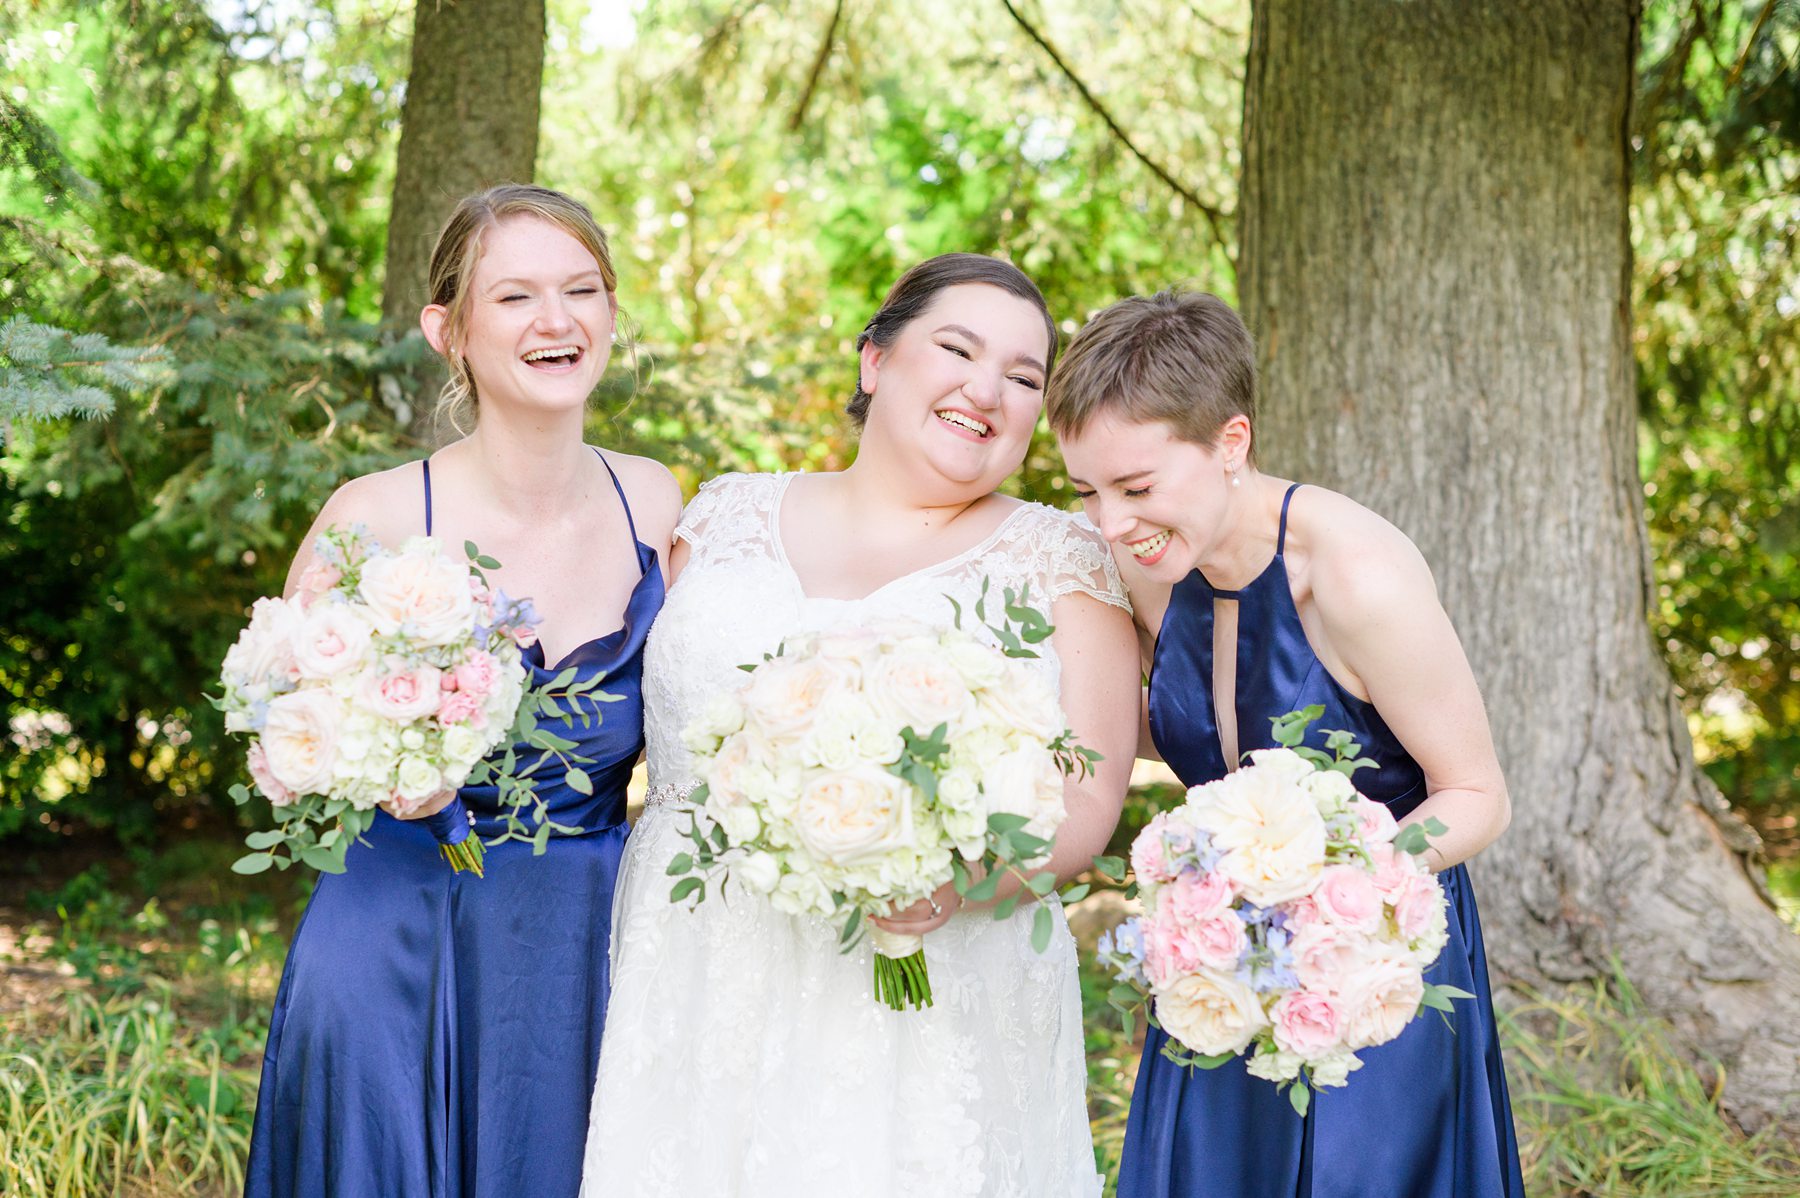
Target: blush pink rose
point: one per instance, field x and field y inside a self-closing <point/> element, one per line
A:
<point x="1193" y="897"/>
<point x="1417" y="906"/>
<point x="317" y="579"/>
<point x="1374" y="821"/>
<point x="1325" y="956"/>
<point x="1307" y="1024"/>
<point x="1168" y="953"/>
<point x="460" y="707"/>
<point x="477" y="675"/>
<point x="1392" y="869"/>
<point x="265" y="780"/>
<point x="1216" y="942"/>
<point x="1301" y="913"/>
<point x="403" y="694"/>
<point x="1347" y="897"/>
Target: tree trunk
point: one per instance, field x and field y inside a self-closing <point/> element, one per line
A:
<point x="1435" y="260"/>
<point x="470" y="121"/>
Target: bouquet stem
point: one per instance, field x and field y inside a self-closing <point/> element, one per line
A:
<point x="454" y="828"/>
<point x="901" y="979"/>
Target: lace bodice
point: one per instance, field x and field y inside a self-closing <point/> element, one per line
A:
<point x="737" y="597"/>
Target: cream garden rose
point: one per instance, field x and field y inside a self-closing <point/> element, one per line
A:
<point x="424" y="595"/>
<point x="854" y="815"/>
<point x="299" y="739"/>
<point x="1211" y="1012"/>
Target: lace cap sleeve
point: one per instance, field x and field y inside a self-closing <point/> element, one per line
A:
<point x="712" y="500"/>
<point x="1076" y="558"/>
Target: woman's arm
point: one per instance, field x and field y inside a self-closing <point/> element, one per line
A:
<point x="1380" y="611"/>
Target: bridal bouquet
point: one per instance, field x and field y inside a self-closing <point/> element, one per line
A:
<point x="1284" y="911"/>
<point x="387" y="677"/>
<point x="857" y="772"/>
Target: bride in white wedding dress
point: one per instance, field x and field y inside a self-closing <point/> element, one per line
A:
<point x="743" y="1054"/>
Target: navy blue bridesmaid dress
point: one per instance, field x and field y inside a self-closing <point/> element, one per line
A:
<point x="1427" y="1115"/>
<point x="436" y="1034"/>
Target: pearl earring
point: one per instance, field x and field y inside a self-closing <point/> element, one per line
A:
<point x="1235" y="480"/>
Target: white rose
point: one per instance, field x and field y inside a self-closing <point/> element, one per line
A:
<point x="1274" y="1065"/>
<point x="980" y="665"/>
<point x="760" y="872"/>
<point x="784" y="695"/>
<point x="417" y="779"/>
<point x="1334" y="1069"/>
<point x="1210" y="1012"/>
<point x="463" y="747"/>
<point x="1332" y="791"/>
<point x="1283" y="764"/>
<point x="419" y="592"/>
<point x="1026" y="782"/>
<point x="264" y="651"/>
<point x="1023" y="703"/>
<point x="1270" y="829"/>
<point x="851" y="816"/>
<point x="299" y="739"/>
<point x="332" y="639"/>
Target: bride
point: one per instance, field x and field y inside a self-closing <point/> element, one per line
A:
<point x="744" y="1055"/>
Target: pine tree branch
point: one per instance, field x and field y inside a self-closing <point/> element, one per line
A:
<point x="1214" y="219"/>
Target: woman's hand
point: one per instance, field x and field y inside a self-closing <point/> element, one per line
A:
<point x="926" y="915"/>
<point x="425" y="810"/>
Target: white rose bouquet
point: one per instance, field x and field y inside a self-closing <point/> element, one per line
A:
<point x="1284" y="911"/>
<point x="388" y="677"/>
<point x="857" y="772"/>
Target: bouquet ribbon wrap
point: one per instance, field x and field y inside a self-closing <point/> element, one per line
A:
<point x="454" y="828"/>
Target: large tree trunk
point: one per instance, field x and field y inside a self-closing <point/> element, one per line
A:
<point x="471" y="120"/>
<point x="1435" y="259"/>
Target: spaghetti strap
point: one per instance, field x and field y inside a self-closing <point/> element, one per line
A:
<point x="623" y="502"/>
<point x="1281" y="536"/>
<point x="426" y="462"/>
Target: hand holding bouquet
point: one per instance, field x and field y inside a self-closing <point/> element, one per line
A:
<point x="1284" y="911"/>
<point x="385" y="680"/>
<point x="857" y="772"/>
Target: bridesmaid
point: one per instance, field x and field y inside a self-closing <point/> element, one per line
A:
<point x="1255" y="596"/>
<point x="437" y="1033"/>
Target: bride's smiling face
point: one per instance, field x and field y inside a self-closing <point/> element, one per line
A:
<point x="958" y="392"/>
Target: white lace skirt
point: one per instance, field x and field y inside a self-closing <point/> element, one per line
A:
<point x="745" y="1057"/>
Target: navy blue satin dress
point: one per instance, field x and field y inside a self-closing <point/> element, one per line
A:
<point x="1427" y="1115"/>
<point x="436" y="1034"/>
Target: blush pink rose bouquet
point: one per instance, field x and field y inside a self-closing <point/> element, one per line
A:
<point x="858" y="771"/>
<point x="1282" y="912"/>
<point x="387" y="678"/>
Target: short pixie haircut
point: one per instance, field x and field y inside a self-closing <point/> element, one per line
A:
<point x="920" y="285"/>
<point x="1179" y="357"/>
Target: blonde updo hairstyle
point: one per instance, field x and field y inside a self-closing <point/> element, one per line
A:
<point x="459" y="248"/>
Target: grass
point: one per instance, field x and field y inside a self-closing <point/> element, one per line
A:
<point x="117" y="1096"/>
<point x="1605" y="1105"/>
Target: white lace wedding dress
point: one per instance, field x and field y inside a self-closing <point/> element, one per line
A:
<point x="744" y="1056"/>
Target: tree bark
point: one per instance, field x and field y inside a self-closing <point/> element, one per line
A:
<point x="1436" y="262"/>
<point x="470" y="121"/>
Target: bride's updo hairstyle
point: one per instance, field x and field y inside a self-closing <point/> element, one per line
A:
<point x="1180" y="357"/>
<point x="452" y="274"/>
<point x="920" y="285"/>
